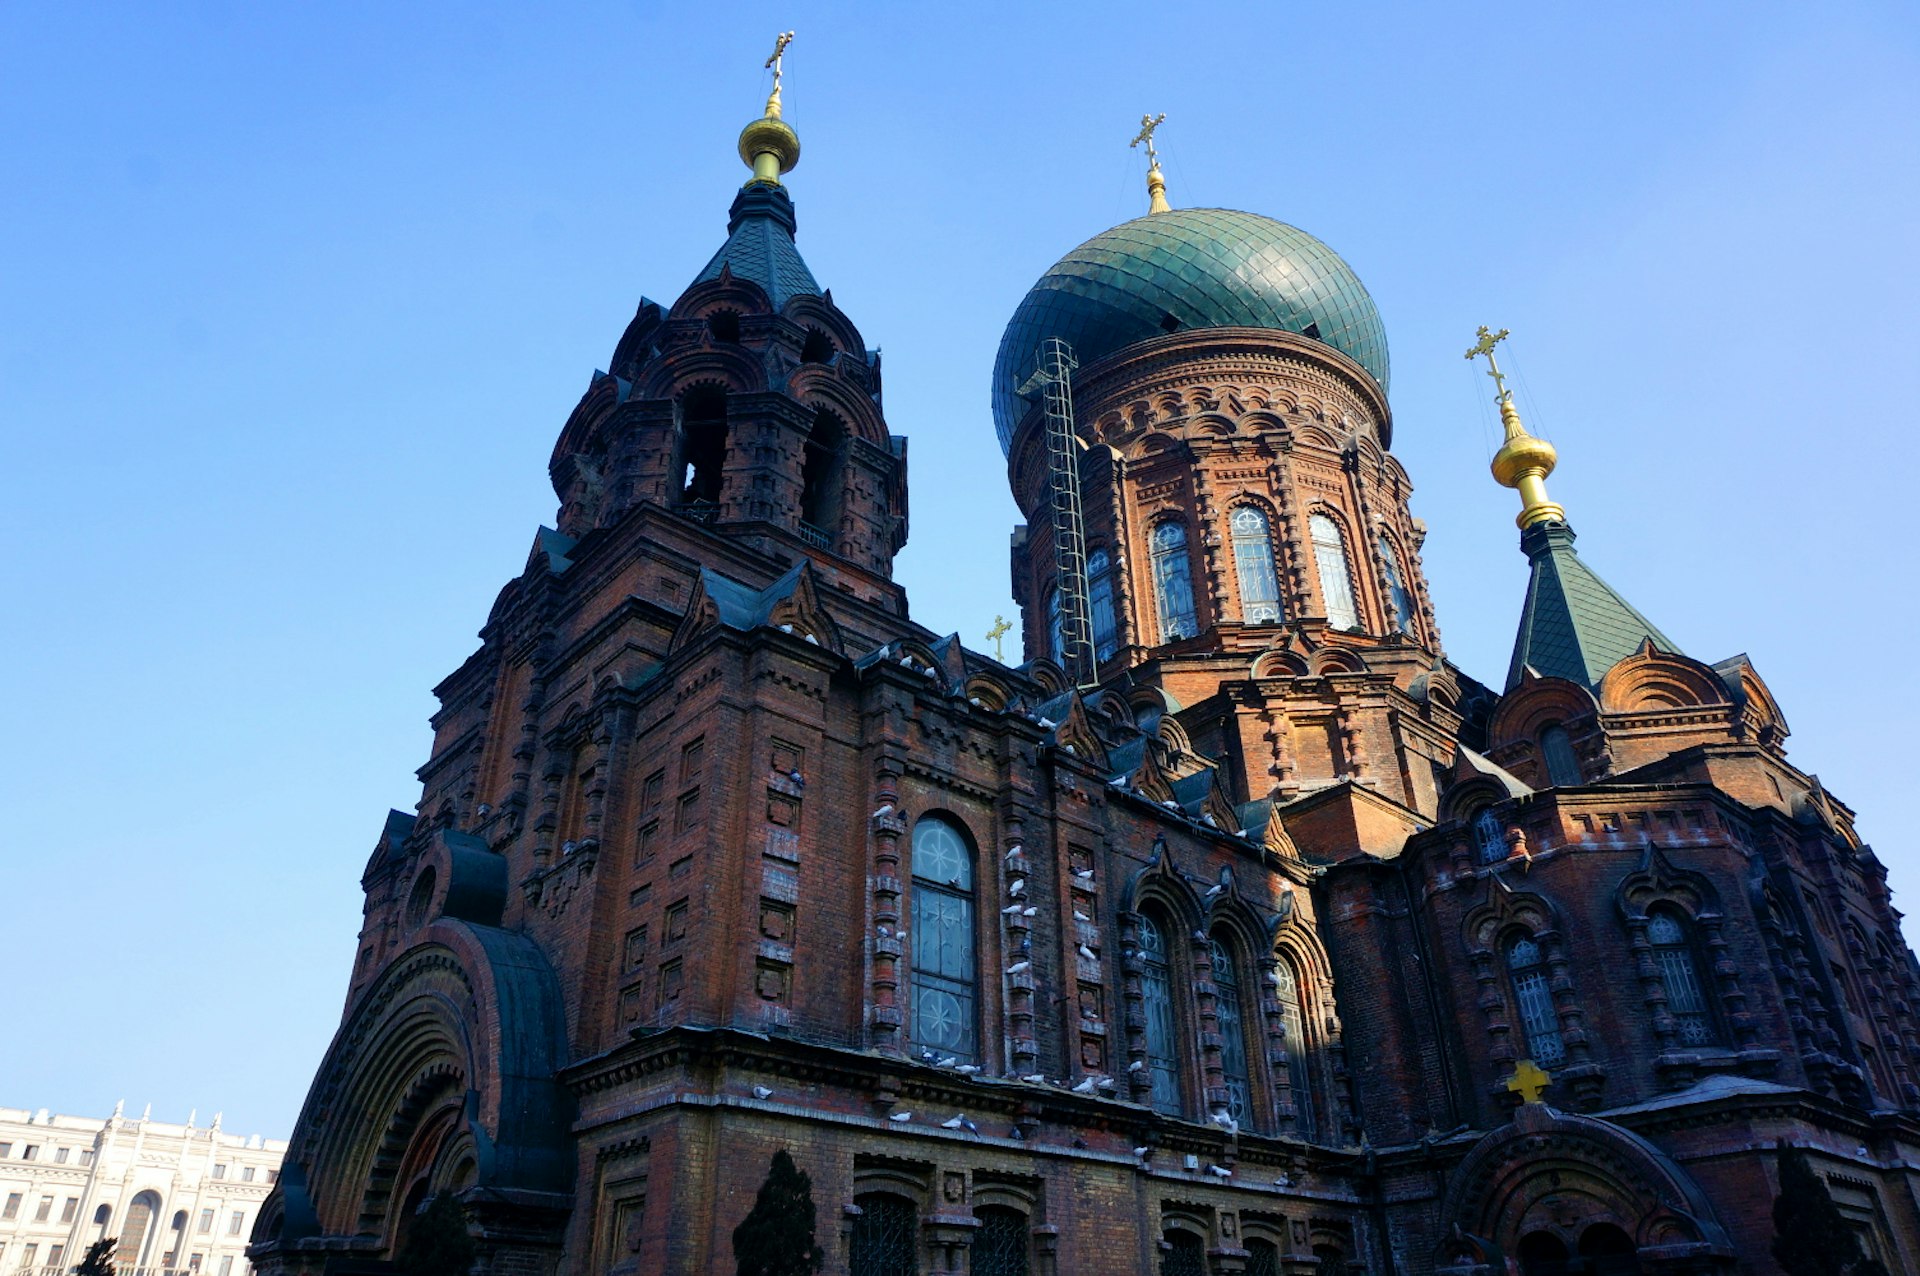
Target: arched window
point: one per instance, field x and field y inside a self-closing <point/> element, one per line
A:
<point x="134" y="1231"/>
<point x="1253" y="564"/>
<point x="944" y="988"/>
<point x="1233" y="1034"/>
<point x="1000" y="1244"/>
<point x="1563" y="768"/>
<point x="1673" y="956"/>
<point x="1156" y="1006"/>
<point x="1173" y="581"/>
<point x="1263" y="1257"/>
<point x="1293" y="1019"/>
<point x="1399" y="601"/>
<point x="884" y="1240"/>
<point x="820" y="478"/>
<point x="1106" y="627"/>
<point x="1056" y="628"/>
<point x="1182" y="1254"/>
<point x="1489" y="837"/>
<point x="1336" y="579"/>
<point x="1531" y="993"/>
<point x="703" y="446"/>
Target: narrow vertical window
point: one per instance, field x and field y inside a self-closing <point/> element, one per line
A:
<point x="1293" y="1020"/>
<point x="1106" y="628"/>
<point x="1336" y="579"/>
<point x="1680" y="975"/>
<point x="1056" y="627"/>
<point x="1563" y="768"/>
<point x="1399" y="601"/>
<point x="1233" y="1035"/>
<point x="1489" y="837"/>
<point x="1253" y="564"/>
<point x="944" y="992"/>
<point x="1173" y="581"/>
<point x="1535" y="1000"/>
<point x="820" y="480"/>
<point x="1156" y="1005"/>
<point x="884" y="1240"/>
<point x="1182" y="1254"/>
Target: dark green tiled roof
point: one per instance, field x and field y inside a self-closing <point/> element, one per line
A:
<point x="1575" y="625"/>
<point x="1189" y="268"/>
<point x="760" y="246"/>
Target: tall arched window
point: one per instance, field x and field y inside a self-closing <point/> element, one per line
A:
<point x="1173" y="581"/>
<point x="1156" y="1006"/>
<point x="1556" y="747"/>
<point x="944" y="988"/>
<point x="134" y="1231"/>
<point x="884" y="1240"/>
<point x="1293" y="1019"/>
<point x="820" y="476"/>
<point x="1534" y="997"/>
<point x="1253" y="564"/>
<point x="1399" y="601"/>
<point x="1336" y="579"/>
<point x="1679" y="969"/>
<point x="1056" y="627"/>
<point x="1000" y="1243"/>
<point x="1106" y="628"/>
<point x="703" y="446"/>
<point x="1233" y="1034"/>
<point x="1489" y="837"/>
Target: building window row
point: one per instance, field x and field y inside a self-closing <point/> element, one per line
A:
<point x="884" y="1238"/>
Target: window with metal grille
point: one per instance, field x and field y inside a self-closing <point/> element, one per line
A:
<point x="1106" y="627"/>
<point x="1489" y="836"/>
<point x="1336" y="578"/>
<point x="1156" y="1006"/>
<point x="1293" y="1020"/>
<point x="1233" y="1036"/>
<point x="1399" y="601"/>
<point x="1000" y="1244"/>
<point x="943" y="977"/>
<point x="1563" y="767"/>
<point x="885" y="1239"/>
<point x="1173" y="581"/>
<point x="1056" y="627"/>
<point x="1263" y="1258"/>
<point x="1253" y="564"/>
<point x="1679" y="971"/>
<point x="1184" y="1255"/>
<point x="1535" y="999"/>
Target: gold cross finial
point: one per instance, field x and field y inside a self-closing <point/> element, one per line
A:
<point x="780" y="43"/>
<point x="1528" y="1079"/>
<point x="1148" y="123"/>
<point x="1156" y="184"/>
<point x="1484" y="346"/>
<point x="1001" y="628"/>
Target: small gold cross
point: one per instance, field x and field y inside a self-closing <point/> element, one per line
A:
<point x="1001" y="628"/>
<point x="1528" y="1079"/>
<point x="1488" y="340"/>
<point x="780" y="44"/>
<point x="1148" y="123"/>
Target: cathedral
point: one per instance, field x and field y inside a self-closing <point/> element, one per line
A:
<point x="1237" y="930"/>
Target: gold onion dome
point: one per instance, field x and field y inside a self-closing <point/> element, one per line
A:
<point x="768" y="145"/>
<point x="1523" y="461"/>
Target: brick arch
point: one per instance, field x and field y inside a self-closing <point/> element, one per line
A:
<point x="1651" y="679"/>
<point x="1516" y="1179"/>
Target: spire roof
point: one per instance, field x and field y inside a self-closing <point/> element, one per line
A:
<point x="760" y="246"/>
<point x="1574" y="625"/>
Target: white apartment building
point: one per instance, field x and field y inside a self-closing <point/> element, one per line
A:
<point x="179" y="1198"/>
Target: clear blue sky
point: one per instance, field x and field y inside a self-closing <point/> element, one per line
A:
<point x="295" y="299"/>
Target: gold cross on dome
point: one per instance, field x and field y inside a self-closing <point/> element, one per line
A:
<point x="1001" y="628"/>
<point x="1528" y="1079"/>
<point x="1148" y="123"/>
<point x="1484" y="346"/>
<point x="780" y="43"/>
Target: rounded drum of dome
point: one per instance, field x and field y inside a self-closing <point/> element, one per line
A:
<point x="1181" y="270"/>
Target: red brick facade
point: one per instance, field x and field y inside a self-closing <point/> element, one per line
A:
<point x="1240" y="947"/>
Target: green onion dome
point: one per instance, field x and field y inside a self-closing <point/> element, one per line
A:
<point x="1183" y="269"/>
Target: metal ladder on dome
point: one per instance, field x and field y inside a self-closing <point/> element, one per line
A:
<point x="1053" y="375"/>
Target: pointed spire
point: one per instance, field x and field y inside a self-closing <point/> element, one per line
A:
<point x="1523" y="461"/>
<point x="1156" y="181"/>
<point x="769" y="146"/>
